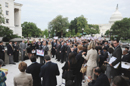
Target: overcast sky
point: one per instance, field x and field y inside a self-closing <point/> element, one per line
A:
<point x="42" y="12"/>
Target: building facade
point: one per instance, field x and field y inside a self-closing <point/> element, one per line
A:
<point x="116" y="16"/>
<point x="12" y="13"/>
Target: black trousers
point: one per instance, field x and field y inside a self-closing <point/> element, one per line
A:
<point x="16" y="56"/>
<point x="78" y="79"/>
<point x="62" y="56"/>
<point x="2" y="56"/>
<point x="42" y="61"/>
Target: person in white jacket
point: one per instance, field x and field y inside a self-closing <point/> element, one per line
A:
<point x="91" y="58"/>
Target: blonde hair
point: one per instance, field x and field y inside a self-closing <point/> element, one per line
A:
<point x="80" y="47"/>
<point x="91" y="45"/>
<point x="22" y="66"/>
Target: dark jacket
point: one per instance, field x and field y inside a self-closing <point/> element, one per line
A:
<point x="68" y="50"/>
<point x="34" y="70"/>
<point x="73" y="67"/>
<point x="48" y="73"/>
<point x="75" y="51"/>
<point x="126" y="58"/>
<point x="9" y="50"/>
<point x="117" y="53"/>
<point x="103" y="57"/>
<point x="80" y="60"/>
<point x="102" y="80"/>
<point x="45" y="48"/>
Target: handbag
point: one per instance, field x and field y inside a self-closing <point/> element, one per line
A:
<point x="68" y="74"/>
<point x="83" y="69"/>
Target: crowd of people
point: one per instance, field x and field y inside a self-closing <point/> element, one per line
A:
<point x="85" y="61"/>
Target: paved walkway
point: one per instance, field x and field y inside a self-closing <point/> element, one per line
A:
<point x="13" y="70"/>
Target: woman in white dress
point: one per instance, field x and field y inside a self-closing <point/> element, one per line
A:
<point x="50" y="47"/>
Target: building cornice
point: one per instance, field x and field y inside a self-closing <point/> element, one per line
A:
<point x="18" y="4"/>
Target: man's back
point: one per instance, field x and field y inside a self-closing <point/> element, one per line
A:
<point x="49" y="72"/>
<point x="34" y="69"/>
<point x="102" y="80"/>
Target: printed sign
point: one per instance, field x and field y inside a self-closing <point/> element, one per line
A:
<point x="40" y="52"/>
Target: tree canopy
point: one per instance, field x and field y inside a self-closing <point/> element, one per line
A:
<point x="78" y="23"/>
<point x="29" y="29"/>
<point x="7" y="33"/>
<point x="121" y="28"/>
<point x="58" y="26"/>
<point x="45" y="32"/>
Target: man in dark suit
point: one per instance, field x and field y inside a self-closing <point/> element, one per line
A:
<point x="68" y="50"/>
<point x="10" y="51"/>
<point x="57" y="51"/>
<point x="74" y="50"/>
<point x="80" y="60"/>
<point x="45" y="49"/>
<point x="117" y="54"/>
<point x="127" y="48"/>
<point x="53" y="48"/>
<point x="16" y="52"/>
<point x="62" y="52"/>
<point x="34" y="70"/>
<point x="103" y="57"/>
<point x="49" y="71"/>
<point x="102" y="79"/>
<point x="126" y="56"/>
<point x="2" y="52"/>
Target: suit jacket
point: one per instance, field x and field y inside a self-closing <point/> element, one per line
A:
<point x="80" y="61"/>
<point x="103" y="58"/>
<point x="9" y="50"/>
<point x="126" y="58"/>
<point x="102" y="80"/>
<point x="62" y="49"/>
<point x="45" y="48"/>
<point x="23" y="79"/>
<point x="117" y="53"/>
<point x="91" y="57"/>
<point x="75" y="51"/>
<point x="53" y="45"/>
<point x="22" y="46"/>
<point x="2" y="51"/>
<point x="34" y="69"/>
<point x="48" y="73"/>
<point x="16" y="47"/>
<point x="68" y="50"/>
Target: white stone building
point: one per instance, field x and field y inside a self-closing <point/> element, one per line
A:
<point x="12" y="13"/>
<point x="116" y="16"/>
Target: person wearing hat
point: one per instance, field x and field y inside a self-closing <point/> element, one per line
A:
<point x="2" y="52"/>
<point x="2" y="75"/>
<point x="48" y="72"/>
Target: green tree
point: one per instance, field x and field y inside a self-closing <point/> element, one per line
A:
<point x="30" y="29"/>
<point x="58" y="26"/>
<point x="77" y="24"/>
<point x="7" y="33"/>
<point x="94" y="29"/>
<point x="45" y="32"/>
<point x="107" y="32"/>
<point x="2" y="19"/>
<point x="121" y="28"/>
